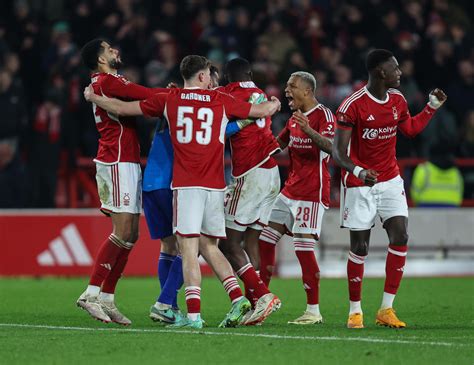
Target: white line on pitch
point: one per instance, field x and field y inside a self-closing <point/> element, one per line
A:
<point x="237" y="334"/>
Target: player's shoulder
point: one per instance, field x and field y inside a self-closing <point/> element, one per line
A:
<point x="396" y="94"/>
<point x="352" y="100"/>
<point x="321" y="111"/>
<point x="105" y="78"/>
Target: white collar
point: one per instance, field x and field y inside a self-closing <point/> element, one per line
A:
<point x="374" y="98"/>
<point x="312" y="110"/>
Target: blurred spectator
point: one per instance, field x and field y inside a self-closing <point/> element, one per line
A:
<point x="461" y="89"/>
<point x="438" y="182"/>
<point x="12" y="169"/>
<point x="466" y="150"/>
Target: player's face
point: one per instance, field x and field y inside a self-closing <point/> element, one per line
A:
<point x="295" y="92"/>
<point x="392" y="73"/>
<point x="112" y="56"/>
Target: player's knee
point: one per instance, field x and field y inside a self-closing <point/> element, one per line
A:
<point x="270" y="269"/>
<point x="400" y="239"/>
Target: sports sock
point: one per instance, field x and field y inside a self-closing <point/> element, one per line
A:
<point x="267" y="247"/>
<point x="394" y="267"/>
<point x="105" y="260"/>
<point x="174" y="281"/>
<point x="193" y="301"/>
<point x="115" y="274"/>
<point x="106" y="297"/>
<point x="164" y="265"/>
<point x="355" y="274"/>
<point x="355" y="307"/>
<point x="254" y="286"/>
<point x="93" y="290"/>
<point x="313" y="308"/>
<point x="232" y="288"/>
<point x="304" y="249"/>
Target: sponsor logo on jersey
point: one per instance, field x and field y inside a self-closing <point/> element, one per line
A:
<point x="379" y="133"/>
<point x="300" y="142"/>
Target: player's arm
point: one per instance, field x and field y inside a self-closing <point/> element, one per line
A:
<point x="339" y="154"/>
<point x="265" y="109"/>
<point x="283" y="137"/>
<point x="323" y="143"/>
<point x="232" y="128"/>
<point x="412" y="126"/>
<point x="112" y="105"/>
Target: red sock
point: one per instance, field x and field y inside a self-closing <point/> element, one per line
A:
<point x="304" y="249"/>
<point x="267" y="247"/>
<point x="105" y="261"/>
<point x="355" y="274"/>
<point x="115" y="274"/>
<point x="193" y="299"/>
<point x="254" y="286"/>
<point x="394" y="267"/>
<point x="232" y="288"/>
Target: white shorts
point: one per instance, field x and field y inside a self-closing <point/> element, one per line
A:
<point x="198" y="211"/>
<point x="299" y="216"/>
<point x="120" y="187"/>
<point x="249" y="199"/>
<point x="361" y="205"/>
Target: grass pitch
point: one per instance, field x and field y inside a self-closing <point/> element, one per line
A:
<point x="40" y="324"/>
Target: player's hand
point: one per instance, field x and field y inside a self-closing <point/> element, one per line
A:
<point x="172" y="85"/>
<point x="437" y="98"/>
<point x="275" y="100"/>
<point x="369" y="177"/>
<point x="302" y="120"/>
<point x="88" y="92"/>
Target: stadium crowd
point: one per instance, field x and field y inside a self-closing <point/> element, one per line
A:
<point x="46" y="122"/>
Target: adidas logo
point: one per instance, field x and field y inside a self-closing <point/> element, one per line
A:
<point x="67" y="250"/>
<point x="401" y="269"/>
<point x="371" y="117"/>
<point x="303" y="225"/>
<point x="306" y="286"/>
<point x="107" y="266"/>
<point x="356" y="280"/>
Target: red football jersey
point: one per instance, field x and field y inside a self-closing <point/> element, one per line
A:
<point x="308" y="177"/>
<point x="197" y="120"/>
<point x="253" y="146"/>
<point x="118" y="135"/>
<point x="374" y="132"/>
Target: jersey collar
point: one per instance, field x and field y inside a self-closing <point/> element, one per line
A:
<point x="378" y="101"/>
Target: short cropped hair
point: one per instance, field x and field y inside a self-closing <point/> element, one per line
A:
<point x="377" y="57"/>
<point x="237" y="69"/>
<point x="308" y="78"/>
<point x="90" y="53"/>
<point x="192" y="64"/>
<point x="214" y="70"/>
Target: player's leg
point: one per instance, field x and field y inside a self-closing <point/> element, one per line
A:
<point x="267" y="242"/>
<point x="223" y="270"/>
<point x="393" y="210"/>
<point x="308" y="217"/>
<point x="358" y="213"/>
<point x="213" y="227"/>
<point x="124" y="209"/>
<point x="359" y="249"/>
<point x="251" y="246"/>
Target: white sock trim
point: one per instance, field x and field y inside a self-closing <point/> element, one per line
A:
<point x="387" y="300"/>
<point x="93" y="290"/>
<point x="355" y="307"/>
<point x="398" y="253"/>
<point x="356" y="259"/>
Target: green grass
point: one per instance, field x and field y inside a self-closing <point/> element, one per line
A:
<point x="439" y="313"/>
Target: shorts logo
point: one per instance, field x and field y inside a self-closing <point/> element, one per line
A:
<point x="403" y="192"/>
<point x="346" y="213"/>
<point x="126" y="199"/>
<point x="303" y="225"/>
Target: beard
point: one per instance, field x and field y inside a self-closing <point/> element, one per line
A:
<point x="116" y="64"/>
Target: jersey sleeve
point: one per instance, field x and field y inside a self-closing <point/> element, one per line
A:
<point x="235" y="108"/>
<point x="120" y="87"/>
<point x="346" y="116"/>
<point x="326" y="127"/>
<point x="154" y="106"/>
<point x="284" y="135"/>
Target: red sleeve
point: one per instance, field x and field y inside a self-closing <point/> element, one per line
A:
<point x="346" y="117"/>
<point x="284" y="135"/>
<point x="120" y="87"/>
<point x="411" y="126"/>
<point x="235" y="108"/>
<point x="154" y="106"/>
<point x="326" y="127"/>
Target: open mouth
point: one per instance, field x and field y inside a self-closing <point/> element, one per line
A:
<point x="291" y="102"/>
